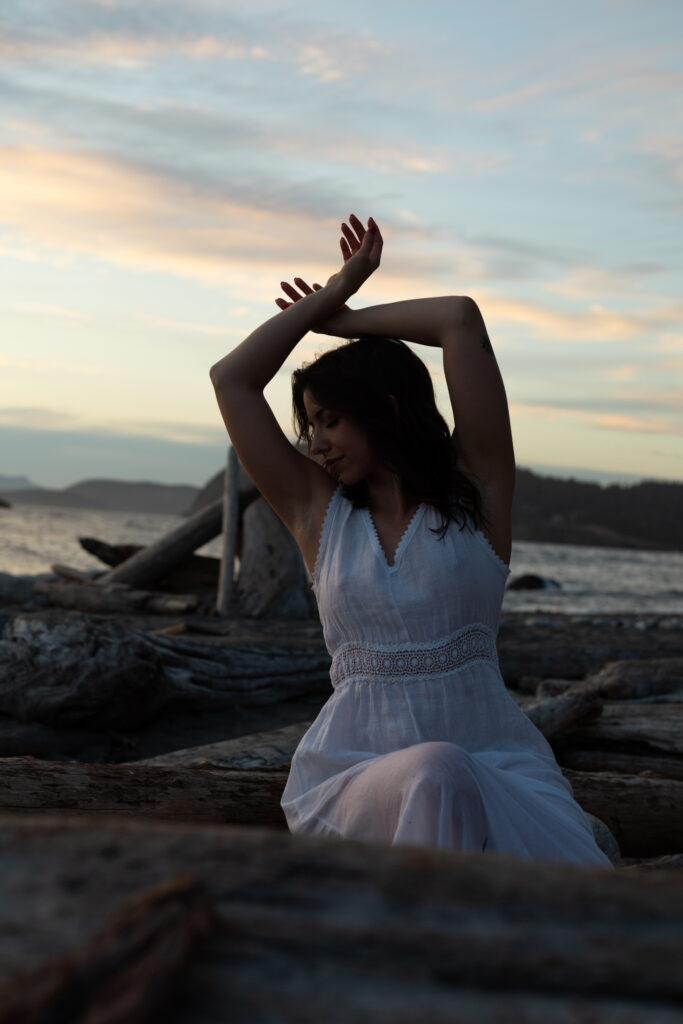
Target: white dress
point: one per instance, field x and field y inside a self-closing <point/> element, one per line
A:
<point x="420" y="741"/>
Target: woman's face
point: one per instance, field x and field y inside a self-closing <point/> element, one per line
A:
<point x="339" y="444"/>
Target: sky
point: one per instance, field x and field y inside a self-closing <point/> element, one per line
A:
<point x="163" y="166"/>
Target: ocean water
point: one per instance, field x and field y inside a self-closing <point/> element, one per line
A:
<point x="591" y="580"/>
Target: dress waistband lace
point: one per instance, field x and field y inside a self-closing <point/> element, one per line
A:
<point x="476" y="642"/>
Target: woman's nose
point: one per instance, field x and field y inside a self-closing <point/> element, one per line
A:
<point x="319" y="444"/>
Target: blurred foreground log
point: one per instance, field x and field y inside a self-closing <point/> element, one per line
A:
<point x="333" y="930"/>
<point x="125" y="974"/>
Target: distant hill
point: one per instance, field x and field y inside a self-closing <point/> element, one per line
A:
<point x="545" y="508"/>
<point x="119" y="495"/>
<point x="644" y="515"/>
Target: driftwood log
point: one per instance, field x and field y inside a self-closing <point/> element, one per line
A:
<point x="125" y="974"/>
<point x="234" y="797"/>
<point x="312" y="930"/>
<point x="155" y="561"/>
<point x="645" y="815"/>
<point x="80" y="672"/>
<point x="114" y="599"/>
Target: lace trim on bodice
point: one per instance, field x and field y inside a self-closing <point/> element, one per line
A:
<point x="476" y="642"/>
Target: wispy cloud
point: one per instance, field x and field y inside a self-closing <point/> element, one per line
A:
<point x="603" y="421"/>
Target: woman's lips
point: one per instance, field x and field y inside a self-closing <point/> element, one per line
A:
<point x="332" y="464"/>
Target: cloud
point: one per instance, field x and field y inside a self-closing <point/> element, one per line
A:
<point x="44" y="419"/>
<point x="603" y="421"/>
<point x="598" y="323"/>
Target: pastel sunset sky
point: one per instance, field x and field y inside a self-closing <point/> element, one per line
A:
<point x="164" y="165"/>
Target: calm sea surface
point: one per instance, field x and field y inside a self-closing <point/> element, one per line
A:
<point x="591" y="580"/>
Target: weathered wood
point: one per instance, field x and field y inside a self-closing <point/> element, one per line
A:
<point x="114" y="599"/>
<point x="600" y="760"/>
<point x="109" y="554"/>
<point x="272" y="748"/>
<point x="67" y="572"/>
<point x="166" y="794"/>
<point x="643" y="728"/>
<point x="80" y="672"/>
<point x="273" y="581"/>
<point x="158" y="559"/>
<point x="340" y="931"/>
<point x="644" y="814"/>
<point x="630" y="679"/>
<point x="234" y="796"/>
<point x="231" y="512"/>
<point x="127" y="973"/>
<point x="554" y="716"/>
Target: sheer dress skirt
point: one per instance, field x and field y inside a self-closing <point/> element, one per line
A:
<point x="437" y="755"/>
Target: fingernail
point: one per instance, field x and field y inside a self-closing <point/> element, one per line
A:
<point x="372" y="229"/>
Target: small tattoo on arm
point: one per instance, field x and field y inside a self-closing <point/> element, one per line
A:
<point x="485" y="342"/>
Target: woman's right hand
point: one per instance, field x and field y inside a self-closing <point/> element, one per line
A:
<point x="361" y="250"/>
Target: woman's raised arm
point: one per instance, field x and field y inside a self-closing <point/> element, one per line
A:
<point x="287" y="479"/>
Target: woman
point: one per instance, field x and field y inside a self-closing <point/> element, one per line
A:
<point x="407" y="538"/>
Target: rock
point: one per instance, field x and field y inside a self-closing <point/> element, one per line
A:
<point x="17" y="590"/>
<point x="605" y="839"/>
<point x="530" y="581"/>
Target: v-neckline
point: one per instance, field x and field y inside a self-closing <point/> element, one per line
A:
<point x="403" y="542"/>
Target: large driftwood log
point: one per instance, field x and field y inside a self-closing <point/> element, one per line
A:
<point x="167" y="794"/>
<point x="155" y="561"/>
<point x="273" y="581"/>
<point x="196" y="572"/>
<point x="644" y="814"/>
<point x="252" y="797"/>
<point x="126" y="973"/>
<point x="339" y="931"/>
<point x="113" y="600"/>
<point x="80" y="672"/>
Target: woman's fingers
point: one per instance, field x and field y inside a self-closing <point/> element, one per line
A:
<point x="282" y="303"/>
<point x="357" y="226"/>
<point x="289" y="290"/>
<point x="351" y="238"/>
<point x="346" y="249"/>
<point x="300" y="283"/>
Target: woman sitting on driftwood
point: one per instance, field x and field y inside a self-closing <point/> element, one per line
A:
<point x="406" y="532"/>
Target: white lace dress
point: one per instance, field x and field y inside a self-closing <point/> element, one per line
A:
<point x="420" y="741"/>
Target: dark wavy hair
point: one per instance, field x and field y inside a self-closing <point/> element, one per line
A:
<point x="357" y="380"/>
